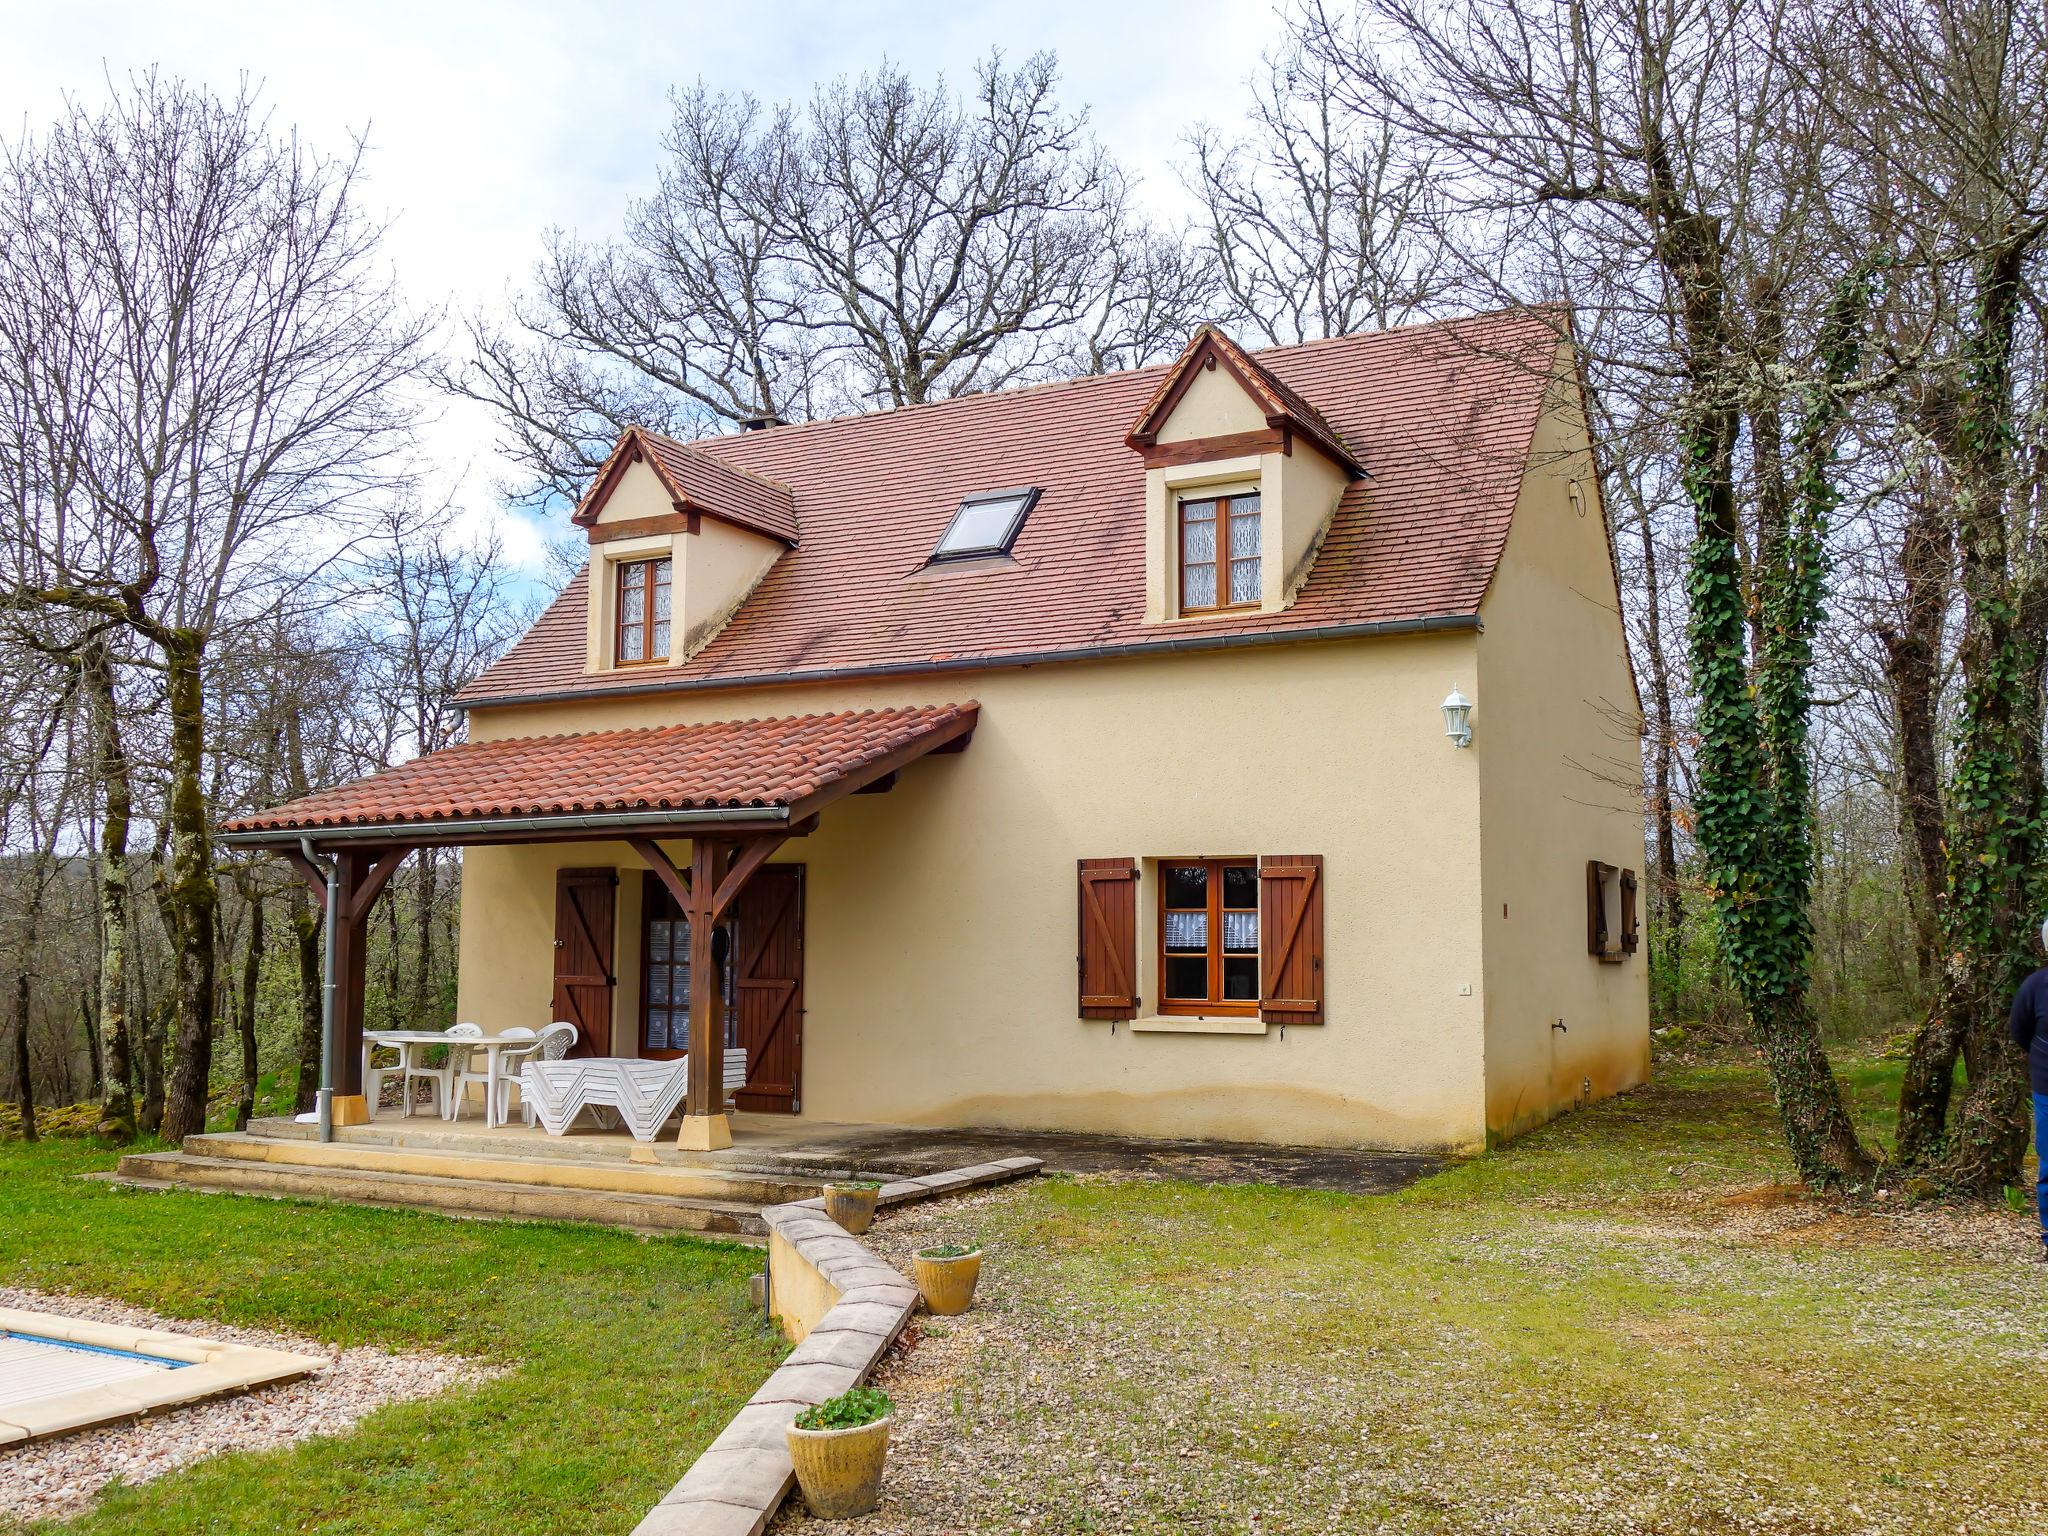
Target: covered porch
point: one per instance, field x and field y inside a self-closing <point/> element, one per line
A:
<point x="701" y="810"/>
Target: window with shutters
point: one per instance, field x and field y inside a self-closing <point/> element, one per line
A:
<point x="1209" y="936"/>
<point x="1612" y="921"/>
<point x="643" y="612"/>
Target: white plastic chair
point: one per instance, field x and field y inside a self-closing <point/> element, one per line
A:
<point x="443" y="1076"/>
<point x="552" y="1044"/>
<point x="375" y="1073"/>
<point x="508" y="1061"/>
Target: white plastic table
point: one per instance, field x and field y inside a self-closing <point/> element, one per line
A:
<point x="405" y="1041"/>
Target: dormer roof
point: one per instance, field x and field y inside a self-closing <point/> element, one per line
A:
<point x="1284" y="409"/>
<point x="697" y="483"/>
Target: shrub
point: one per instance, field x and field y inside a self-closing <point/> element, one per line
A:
<point x="849" y="1410"/>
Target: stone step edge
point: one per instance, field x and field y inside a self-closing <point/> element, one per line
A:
<point x="735" y="1487"/>
<point x="143" y="1173"/>
<point x="587" y="1175"/>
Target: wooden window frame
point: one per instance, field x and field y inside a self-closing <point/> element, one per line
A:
<point x="645" y="621"/>
<point x="1215" y="1005"/>
<point x="1223" y="501"/>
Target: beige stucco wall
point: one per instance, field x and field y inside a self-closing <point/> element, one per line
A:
<point x="940" y="917"/>
<point x="1214" y="405"/>
<point x="1556" y="739"/>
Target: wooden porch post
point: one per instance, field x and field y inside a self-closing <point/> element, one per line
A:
<point x="360" y="874"/>
<point x="719" y="870"/>
<point x="705" y="1126"/>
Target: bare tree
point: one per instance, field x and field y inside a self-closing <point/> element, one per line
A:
<point x="446" y="611"/>
<point x="885" y="242"/>
<point x="192" y="317"/>
<point x="1314" y="215"/>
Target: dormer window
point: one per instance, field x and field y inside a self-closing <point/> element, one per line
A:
<point x="985" y="524"/>
<point x="1219" y="552"/>
<point x="643" y="609"/>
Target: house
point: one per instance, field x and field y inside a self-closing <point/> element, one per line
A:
<point x="1072" y="757"/>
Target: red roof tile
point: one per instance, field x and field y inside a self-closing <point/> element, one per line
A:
<point x="729" y="764"/>
<point x="1440" y="416"/>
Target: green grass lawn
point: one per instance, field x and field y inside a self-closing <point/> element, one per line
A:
<point x="624" y="1356"/>
<point x="1612" y="1325"/>
<point x="1615" y="1324"/>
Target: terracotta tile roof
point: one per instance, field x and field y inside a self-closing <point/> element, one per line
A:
<point x="1281" y="405"/>
<point x="1440" y="416"/>
<point x="728" y="764"/>
<point x="701" y="482"/>
<point x="729" y="491"/>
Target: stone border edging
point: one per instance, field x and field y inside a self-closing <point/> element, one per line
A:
<point x="844" y="1307"/>
<point x="208" y="1368"/>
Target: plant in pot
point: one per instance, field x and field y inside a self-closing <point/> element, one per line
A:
<point x="851" y="1203"/>
<point x="946" y="1276"/>
<point x="837" y="1449"/>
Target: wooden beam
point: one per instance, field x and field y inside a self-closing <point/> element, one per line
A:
<point x="705" y="1092"/>
<point x="373" y="882"/>
<point x="308" y="871"/>
<point x="656" y="858"/>
<point x="881" y="786"/>
<point x="746" y="860"/>
<point x="1231" y="445"/>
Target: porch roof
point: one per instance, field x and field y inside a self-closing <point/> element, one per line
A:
<point x="726" y="774"/>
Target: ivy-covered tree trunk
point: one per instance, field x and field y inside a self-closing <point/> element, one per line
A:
<point x="1995" y="874"/>
<point x="1753" y="784"/>
<point x="110" y="767"/>
<point x="190" y="894"/>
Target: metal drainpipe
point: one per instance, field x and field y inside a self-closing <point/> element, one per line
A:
<point x="324" y="1100"/>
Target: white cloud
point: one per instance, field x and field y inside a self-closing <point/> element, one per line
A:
<point x="488" y="123"/>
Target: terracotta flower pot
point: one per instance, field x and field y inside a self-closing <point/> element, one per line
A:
<point x="840" y="1470"/>
<point x="851" y="1205"/>
<point x="947" y="1284"/>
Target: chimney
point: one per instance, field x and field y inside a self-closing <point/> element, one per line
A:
<point x="761" y="423"/>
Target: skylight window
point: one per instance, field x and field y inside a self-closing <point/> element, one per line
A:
<point x="986" y="524"/>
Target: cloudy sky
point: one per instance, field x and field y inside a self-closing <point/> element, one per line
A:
<point x="487" y="123"/>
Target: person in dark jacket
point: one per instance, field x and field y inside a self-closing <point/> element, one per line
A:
<point x="2030" y="1033"/>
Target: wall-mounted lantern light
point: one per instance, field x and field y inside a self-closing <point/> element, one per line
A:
<point x="1458" y="719"/>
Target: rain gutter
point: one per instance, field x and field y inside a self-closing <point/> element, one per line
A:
<point x="609" y="821"/>
<point x="1437" y="624"/>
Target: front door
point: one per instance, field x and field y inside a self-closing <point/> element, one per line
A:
<point x="759" y="950"/>
<point x="584" y="906"/>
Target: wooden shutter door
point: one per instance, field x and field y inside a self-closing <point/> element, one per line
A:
<point x="768" y="931"/>
<point x="1109" y="938"/>
<point x="1630" y="924"/>
<point x="1291" y="938"/>
<point x="584" y="906"/>
<point x="1596" y="909"/>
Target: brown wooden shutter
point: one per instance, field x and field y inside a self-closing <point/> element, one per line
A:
<point x="1291" y="938"/>
<point x="1109" y="938"/>
<point x="1596" y="909"/>
<point x="1629" y="921"/>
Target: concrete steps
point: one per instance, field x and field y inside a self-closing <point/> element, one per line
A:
<point x="640" y="1198"/>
